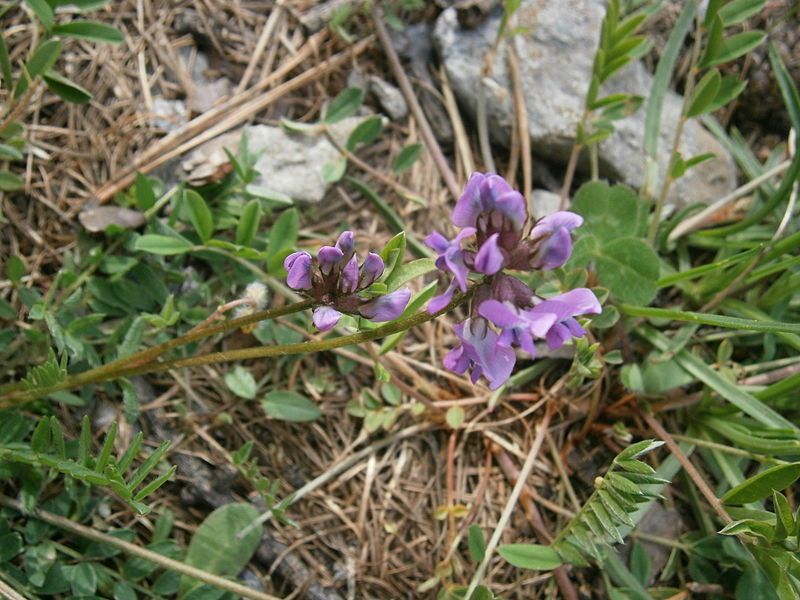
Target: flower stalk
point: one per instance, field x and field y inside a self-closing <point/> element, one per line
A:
<point x="134" y="365"/>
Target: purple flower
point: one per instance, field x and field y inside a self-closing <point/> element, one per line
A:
<point x="328" y="257"/>
<point x="387" y="307"/>
<point x="451" y="258"/>
<point x="325" y="317"/>
<point x="371" y="270"/>
<point x="489" y="259"/>
<point x="555" y="240"/>
<point x="489" y="196"/>
<point x="480" y="351"/>
<point x="346" y="242"/>
<point x="298" y="267"/>
<point x="553" y="320"/>
<point x="349" y="279"/>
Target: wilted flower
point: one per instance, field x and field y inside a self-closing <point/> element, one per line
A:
<point x="335" y="279"/>
<point x="505" y="313"/>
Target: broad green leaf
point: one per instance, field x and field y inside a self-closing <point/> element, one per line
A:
<point x="734" y="47"/>
<point x="217" y="547"/>
<point x="405" y="272"/>
<point x="530" y="556"/>
<point x="762" y="485"/>
<point x="269" y="195"/>
<point x="282" y="238"/>
<point x="199" y="214"/>
<point x="290" y="406"/>
<point x="241" y="382"/>
<point x="143" y="192"/>
<point x="90" y="30"/>
<point x="43" y="12"/>
<point x="165" y="245"/>
<point x="247" y="227"/>
<point x="43" y="58"/>
<point x="629" y="268"/>
<point x="5" y="65"/>
<point x="10" y="182"/>
<point x="704" y="93"/>
<point x="455" y="417"/>
<point x="365" y="133"/>
<point x="730" y="87"/>
<point x="475" y="543"/>
<point x="15" y="268"/>
<point x="344" y="105"/>
<point x="334" y="169"/>
<point x="739" y="10"/>
<point x="66" y="89"/>
<point x="8" y="152"/>
<point x="392" y="254"/>
<point x="406" y="158"/>
<point x="610" y="212"/>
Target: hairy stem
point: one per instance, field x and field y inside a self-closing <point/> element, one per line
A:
<point x="105" y="373"/>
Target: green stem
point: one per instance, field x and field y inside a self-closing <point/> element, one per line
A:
<point x="144" y="357"/>
<point x="676" y="142"/>
<point x="105" y="374"/>
<point x="765" y="326"/>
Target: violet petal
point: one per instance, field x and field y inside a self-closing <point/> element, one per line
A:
<point x="489" y="259"/>
<point x="387" y="307"/>
<point x="325" y="317"/>
<point x="371" y="270"/>
<point x="298" y="266"/>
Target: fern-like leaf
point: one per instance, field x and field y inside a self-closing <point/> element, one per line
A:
<point x="47" y="449"/>
<point x="616" y="497"/>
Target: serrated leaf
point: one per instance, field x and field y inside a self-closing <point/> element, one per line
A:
<point x="762" y="485"/>
<point x="290" y="406"/>
<point x="90" y="30"/>
<point x="165" y="245"/>
<point x="344" y="105"/>
<point x="530" y="556"/>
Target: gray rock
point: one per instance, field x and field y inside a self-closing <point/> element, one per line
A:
<point x="389" y="97"/>
<point x="168" y="115"/>
<point x="97" y="218"/>
<point x="555" y="57"/>
<point x="544" y="203"/>
<point x="290" y="164"/>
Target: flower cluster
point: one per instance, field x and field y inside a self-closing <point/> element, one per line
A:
<point x="505" y="313"/>
<point x="338" y="283"/>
